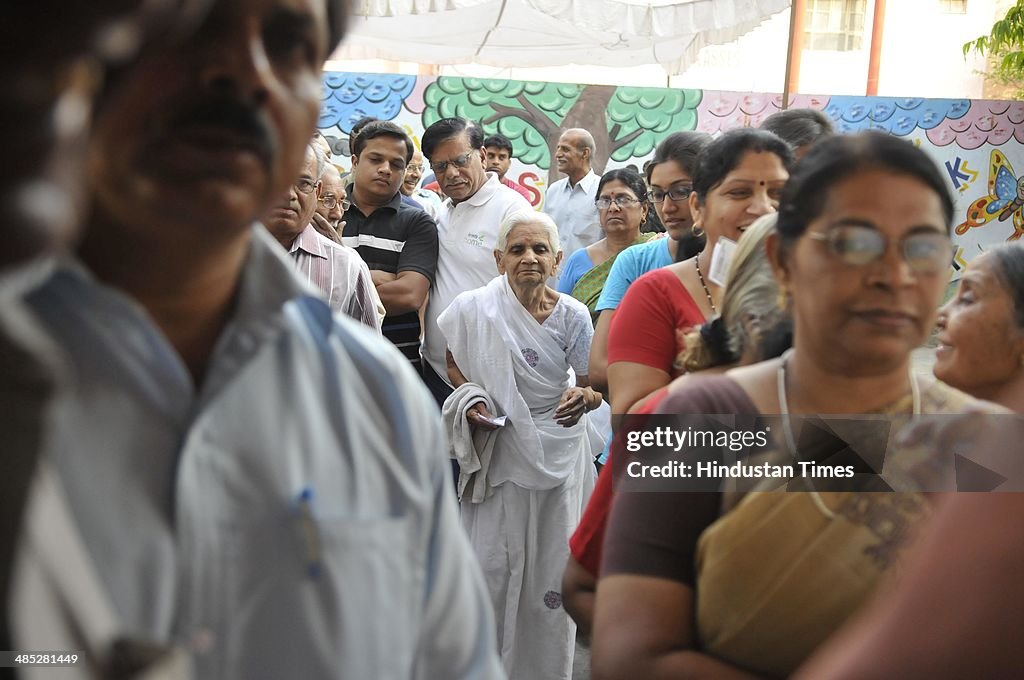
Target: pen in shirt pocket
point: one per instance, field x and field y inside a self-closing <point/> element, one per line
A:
<point x="304" y="503"/>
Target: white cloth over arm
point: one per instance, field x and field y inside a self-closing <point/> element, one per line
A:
<point x="470" y="447"/>
<point x="496" y="343"/>
<point x="540" y="472"/>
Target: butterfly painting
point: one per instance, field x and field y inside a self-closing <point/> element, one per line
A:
<point x="1005" y="198"/>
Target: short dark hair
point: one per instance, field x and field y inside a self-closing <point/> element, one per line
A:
<point x="833" y="160"/>
<point x="799" y="127"/>
<point x="358" y="126"/>
<point x="381" y="128"/>
<point x="445" y="129"/>
<point x="722" y="155"/>
<point x="680" y="147"/>
<point x="631" y="178"/>
<point x="1009" y="268"/>
<point x="500" y="142"/>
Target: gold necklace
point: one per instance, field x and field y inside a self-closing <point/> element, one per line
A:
<point x="696" y="265"/>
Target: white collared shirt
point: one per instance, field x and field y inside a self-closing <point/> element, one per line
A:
<point x="573" y="210"/>
<point x="467" y="235"/>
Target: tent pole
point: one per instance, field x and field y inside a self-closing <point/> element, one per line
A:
<point x="875" y="58"/>
<point x="796" y="47"/>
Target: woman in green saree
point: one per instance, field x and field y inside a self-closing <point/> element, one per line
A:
<point x="623" y="207"/>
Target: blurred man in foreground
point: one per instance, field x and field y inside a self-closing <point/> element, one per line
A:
<point x="45" y="104"/>
<point x="252" y="476"/>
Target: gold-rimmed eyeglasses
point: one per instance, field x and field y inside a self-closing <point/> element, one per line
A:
<point x="330" y="201"/>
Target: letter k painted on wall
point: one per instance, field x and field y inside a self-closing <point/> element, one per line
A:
<point x="961" y="175"/>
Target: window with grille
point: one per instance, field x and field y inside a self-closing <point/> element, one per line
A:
<point x="835" y="25"/>
<point x="953" y="6"/>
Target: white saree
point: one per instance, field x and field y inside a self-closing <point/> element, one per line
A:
<point x="541" y="473"/>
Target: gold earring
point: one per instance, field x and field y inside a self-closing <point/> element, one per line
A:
<point x="697" y="230"/>
<point x="782" y="301"/>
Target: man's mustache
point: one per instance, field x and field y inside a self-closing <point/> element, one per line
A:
<point x="231" y="115"/>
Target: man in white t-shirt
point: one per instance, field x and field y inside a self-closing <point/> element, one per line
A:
<point x="467" y="229"/>
<point x="570" y="200"/>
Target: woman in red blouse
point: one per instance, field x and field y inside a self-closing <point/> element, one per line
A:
<point x="751" y="328"/>
<point x="738" y="178"/>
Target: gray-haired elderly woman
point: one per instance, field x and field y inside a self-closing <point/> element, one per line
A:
<point x="524" y="482"/>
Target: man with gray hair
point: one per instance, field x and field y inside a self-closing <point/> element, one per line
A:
<point x="331" y="203"/>
<point x="570" y="200"/>
<point x="337" y="272"/>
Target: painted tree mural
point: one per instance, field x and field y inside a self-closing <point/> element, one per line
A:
<point x="627" y="122"/>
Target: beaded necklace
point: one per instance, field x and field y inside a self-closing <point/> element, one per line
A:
<point x="703" y="285"/>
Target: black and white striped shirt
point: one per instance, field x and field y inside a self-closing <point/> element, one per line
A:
<point x="395" y="238"/>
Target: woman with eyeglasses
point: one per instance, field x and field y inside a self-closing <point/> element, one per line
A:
<point x="747" y="585"/>
<point x="981" y="329"/>
<point x="738" y="178"/>
<point x="977" y="597"/>
<point x="670" y="177"/>
<point x="751" y="328"/>
<point x="622" y="208"/>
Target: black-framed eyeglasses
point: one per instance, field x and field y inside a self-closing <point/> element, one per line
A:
<point x="305" y="186"/>
<point x="925" y="252"/>
<point x="676" y="193"/>
<point x="462" y="161"/>
<point x="621" y="201"/>
<point x="330" y="201"/>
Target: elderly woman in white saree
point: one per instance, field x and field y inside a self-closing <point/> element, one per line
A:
<point x="523" y="483"/>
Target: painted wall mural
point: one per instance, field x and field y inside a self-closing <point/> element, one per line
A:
<point x="979" y="144"/>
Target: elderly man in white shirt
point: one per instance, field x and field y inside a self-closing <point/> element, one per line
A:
<point x="467" y="229"/>
<point x="570" y="200"/>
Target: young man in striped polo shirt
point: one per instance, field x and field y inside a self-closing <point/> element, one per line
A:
<point x="398" y="242"/>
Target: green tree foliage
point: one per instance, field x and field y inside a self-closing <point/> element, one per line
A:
<point x="643" y="116"/>
<point x="500" y="106"/>
<point x="627" y="122"/>
<point x="1005" y="45"/>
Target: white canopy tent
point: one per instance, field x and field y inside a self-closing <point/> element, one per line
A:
<point x="525" y="33"/>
